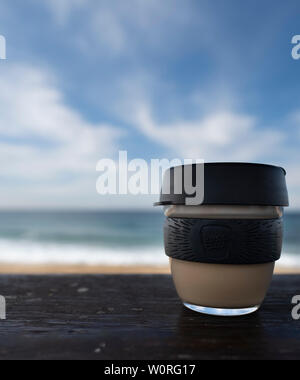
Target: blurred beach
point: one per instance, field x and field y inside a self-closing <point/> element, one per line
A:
<point x="101" y="242"/>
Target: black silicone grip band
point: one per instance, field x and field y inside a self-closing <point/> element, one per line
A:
<point x="224" y="241"/>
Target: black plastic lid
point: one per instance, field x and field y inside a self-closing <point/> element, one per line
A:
<point x="231" y="184"/>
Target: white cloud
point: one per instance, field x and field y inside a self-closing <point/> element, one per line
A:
<point x="130" y="26"/>
<point x="44" y="140"/>
<point x="125" y="26"/>
<point x="62" y="8"/>
<point x="218" y="136"/>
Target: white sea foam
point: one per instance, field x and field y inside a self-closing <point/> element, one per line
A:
<point x="32" y="252"/>
<point x="25" y="252"/>
<point x="289" y="260"/>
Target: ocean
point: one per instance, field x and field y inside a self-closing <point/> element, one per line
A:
<point x="101" y="238"/>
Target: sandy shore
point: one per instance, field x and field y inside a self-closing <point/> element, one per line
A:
<point x="82" y="269"/>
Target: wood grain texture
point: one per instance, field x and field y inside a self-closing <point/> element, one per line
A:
<point x="137" y="317"/>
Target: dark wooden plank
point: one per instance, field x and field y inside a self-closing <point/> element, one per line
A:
<point x="137" y="317"/>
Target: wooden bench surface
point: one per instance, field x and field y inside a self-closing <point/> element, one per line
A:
<point x="137" y="317"/>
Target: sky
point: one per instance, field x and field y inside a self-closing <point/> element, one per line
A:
<point x="85" y="79"/>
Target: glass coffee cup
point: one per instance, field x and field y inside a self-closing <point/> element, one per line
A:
<point x="223" y="251"/>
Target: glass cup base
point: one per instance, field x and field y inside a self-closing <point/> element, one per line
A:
<point x="221" y="312"/>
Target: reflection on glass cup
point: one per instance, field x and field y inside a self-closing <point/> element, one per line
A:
<point x="223" y="252"/>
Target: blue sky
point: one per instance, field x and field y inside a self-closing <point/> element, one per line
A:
<point x="87" y="78"/>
